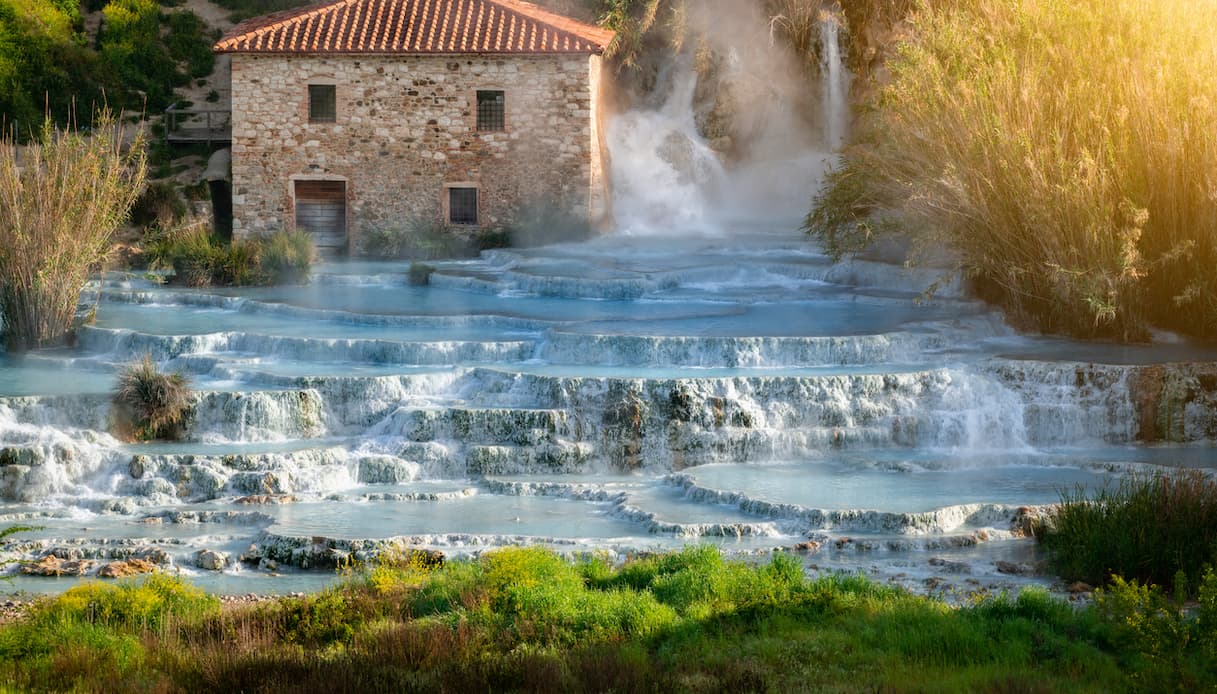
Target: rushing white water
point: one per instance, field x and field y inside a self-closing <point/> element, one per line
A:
<point x="834" y="77"/>
<point x="667" y="178"/>
<point x="664" y="174"/>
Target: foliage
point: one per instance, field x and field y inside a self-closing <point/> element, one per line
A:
<point x="200" y="259"/>
<point x="525" y="619"/>
<point x="422" y="237"/>
<point x="45" y="69"/>
<point x="320" y="619"/>
<point x="92" y="633"/>
<point x="59" y="210"/>
<point x="419" y="274"/>
<point x="150" y="404"/>
<point x="285" y="257"/>
<point x="130" y="43"/>
<point x="538" y="223"/>
<point x="1064" y="150"/>
<point x="160" y="206"/>
<point x="188" y="42"/>
<point x="1176" y="650"/>
<point x="1147" y="529"/>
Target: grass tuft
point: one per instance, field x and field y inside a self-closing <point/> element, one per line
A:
<point x="150" y="404"/>
<point x="1148" y="529"/>
<point x="201" y="259"/>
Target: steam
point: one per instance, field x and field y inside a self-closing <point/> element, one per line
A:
<point x="783" y="129"/>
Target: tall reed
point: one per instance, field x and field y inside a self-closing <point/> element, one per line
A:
<point x="1067" y="150"/>
<point x="59" y="207"/>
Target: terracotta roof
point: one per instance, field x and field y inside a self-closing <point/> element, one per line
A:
<point x="415" y="26"/>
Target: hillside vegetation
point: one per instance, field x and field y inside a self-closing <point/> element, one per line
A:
<point x="50" y="66"/>
<point x="1066" y="150"/>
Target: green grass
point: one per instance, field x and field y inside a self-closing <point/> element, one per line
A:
<point x="528" y="620"/>
<point x="1148" y="528"/>
<point x="1064" y="150"/>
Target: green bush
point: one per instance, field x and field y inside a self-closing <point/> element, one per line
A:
<point x="131" y="44"/>
<point x="286" y="257"/>
<point x="1146" y="529"/>
<point x="422" y="238"/>
<point x="160" y="206"/>
<point x="1061" y="149"/>
<point x="419" y="274"/>
<point x="200" y="259"/>
<point x="321" y="619"/>
<point x="45" y="68"/>
<point x="150" y="404"/>
<point x="187" y="40"/>
<point x="1177" y="648"/>
<point x="538" y="223"/>
<point x="148" y="604"/>
<point x="526" y="620"/>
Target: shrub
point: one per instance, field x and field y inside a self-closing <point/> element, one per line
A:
<point x="150" y="404"/>
<point x="146" y="604"/>
<point x="285" y="257"/>
<point x="1147" y="529"/>
<point x="320" y="619"/>
<point x="1064" y="150"/>
<point x="201" y="259"/>
<point x="131" y="44"/>
<point x="419" y="274"/>
<point x="159" y="205"/>
<point x="1177" y="647"/>
<point x="538" y="223"/>
<point x="422" y="238"/>
<point x="59" y="212"/>
<point x="188" y="43"/>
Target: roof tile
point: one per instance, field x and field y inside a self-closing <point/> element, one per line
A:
<point x="415" y="26"/>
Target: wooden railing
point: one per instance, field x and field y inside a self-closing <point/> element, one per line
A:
<point x="198" y="126"/>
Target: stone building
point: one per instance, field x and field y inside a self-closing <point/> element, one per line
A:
<point x="355" y="114"/>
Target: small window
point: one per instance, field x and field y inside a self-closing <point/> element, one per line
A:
<point x="490" y="109"/>
<point x="463" y="205"/>
<point x="322" y="103"/>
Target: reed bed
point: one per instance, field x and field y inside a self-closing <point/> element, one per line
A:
<point x="59" y="207"/>
<point x="1066" y="150"/>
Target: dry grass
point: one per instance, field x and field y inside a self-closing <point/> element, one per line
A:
<point x="1067" y="150"/>
<point x="58" y="212"/>
<point x="150" y="404"/>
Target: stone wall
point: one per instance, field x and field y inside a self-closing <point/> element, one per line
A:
<point x="406" y="128"/>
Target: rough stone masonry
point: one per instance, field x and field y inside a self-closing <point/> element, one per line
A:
<point x="405" y="130"/>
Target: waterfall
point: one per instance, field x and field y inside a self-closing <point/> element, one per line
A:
<point x="663" y="172"/>
<point x="834" y="82"/>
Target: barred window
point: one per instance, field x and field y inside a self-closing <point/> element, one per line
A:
<point x="322" y="103"/>
<point x="490" y="109"/>
<point x="463" y="205"/>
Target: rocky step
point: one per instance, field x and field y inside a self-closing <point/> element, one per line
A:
<point x="124" y="345"/>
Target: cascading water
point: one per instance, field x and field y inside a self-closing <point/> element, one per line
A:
<point x="634" y="392"/>
<point x="664" y="174"/>
<point x="834" y="78"/>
